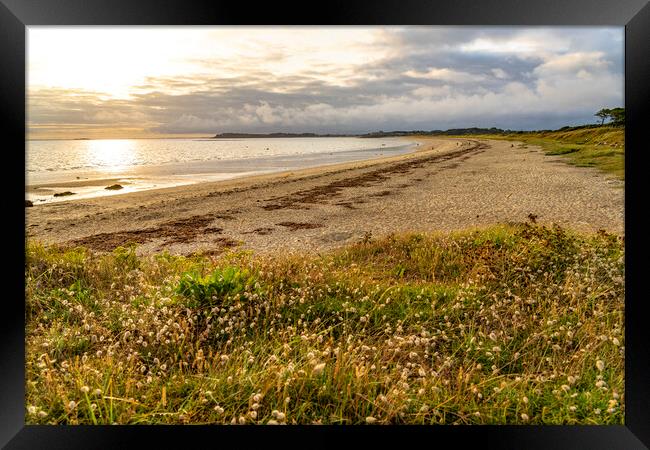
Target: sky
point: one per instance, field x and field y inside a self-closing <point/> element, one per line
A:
<point x="129" y="82"/>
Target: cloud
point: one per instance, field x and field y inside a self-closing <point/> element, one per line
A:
<point x="409" y="78"/>
<point x="445" y="74"/>
<point x="500" y="73"/>
<point x="571" y="63"/>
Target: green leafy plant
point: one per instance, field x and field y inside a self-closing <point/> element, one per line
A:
<point x="213" y="288"/>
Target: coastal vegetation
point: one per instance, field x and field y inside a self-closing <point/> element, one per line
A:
<point x="600" y="147"/>
<point x="513" y="324"/>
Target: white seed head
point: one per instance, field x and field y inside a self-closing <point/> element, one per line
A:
<point x="370" y="420"/>
<point x="600" y="365"/>
<point x="318" y="368"/>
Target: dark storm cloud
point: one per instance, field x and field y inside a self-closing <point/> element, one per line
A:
<point x="430" y="78"/>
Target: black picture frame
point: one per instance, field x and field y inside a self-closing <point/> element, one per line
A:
<point x="16" y="15"/>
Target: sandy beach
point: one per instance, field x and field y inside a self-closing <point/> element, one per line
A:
<point x="449" y="184"/>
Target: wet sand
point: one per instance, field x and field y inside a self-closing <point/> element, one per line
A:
<point x="449" y="184"/>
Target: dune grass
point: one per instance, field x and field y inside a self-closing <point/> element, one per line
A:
<point x="511" y="324"/>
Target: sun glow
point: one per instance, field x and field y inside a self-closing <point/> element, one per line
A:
<point x="122" y="61"/>
<point x="112" y="154"/>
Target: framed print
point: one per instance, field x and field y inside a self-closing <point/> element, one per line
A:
<point x="405" y="222"/>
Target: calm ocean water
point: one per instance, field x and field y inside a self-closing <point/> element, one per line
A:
<point x="55" y="166"/>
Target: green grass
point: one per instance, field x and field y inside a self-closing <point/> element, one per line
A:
<point x="502" y="325"/>
<point x="601" y="147"/>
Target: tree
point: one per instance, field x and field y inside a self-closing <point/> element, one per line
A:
<point x="603" y="114"/>
<point x="617" y="115"/>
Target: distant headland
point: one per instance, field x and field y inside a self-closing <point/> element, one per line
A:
<point x="395" y="133"/>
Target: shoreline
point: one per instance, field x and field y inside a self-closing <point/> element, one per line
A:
<point x="448" y="184"/>
<point x="145" y="178"/>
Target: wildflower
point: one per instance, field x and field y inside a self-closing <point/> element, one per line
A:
<point x="280" y="416"/>
<point x="600" y="365"/>
<point x="572" y="408"/>
<point x="218" y="409"/>
<point x="318" y="369"/>
<point x="85" y="389"/>
<point x="253" y="414"/>
<point x="72" y="404"/>
<point x="31" y="409"/>
<point x="525" y="399"/>
<point x="525" y="417"/>
<point x="370" y="420"/>
<point x="42" y="414"/>
<point x="257" y="397"/>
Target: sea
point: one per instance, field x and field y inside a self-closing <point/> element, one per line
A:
<point x="87" y="167"/>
